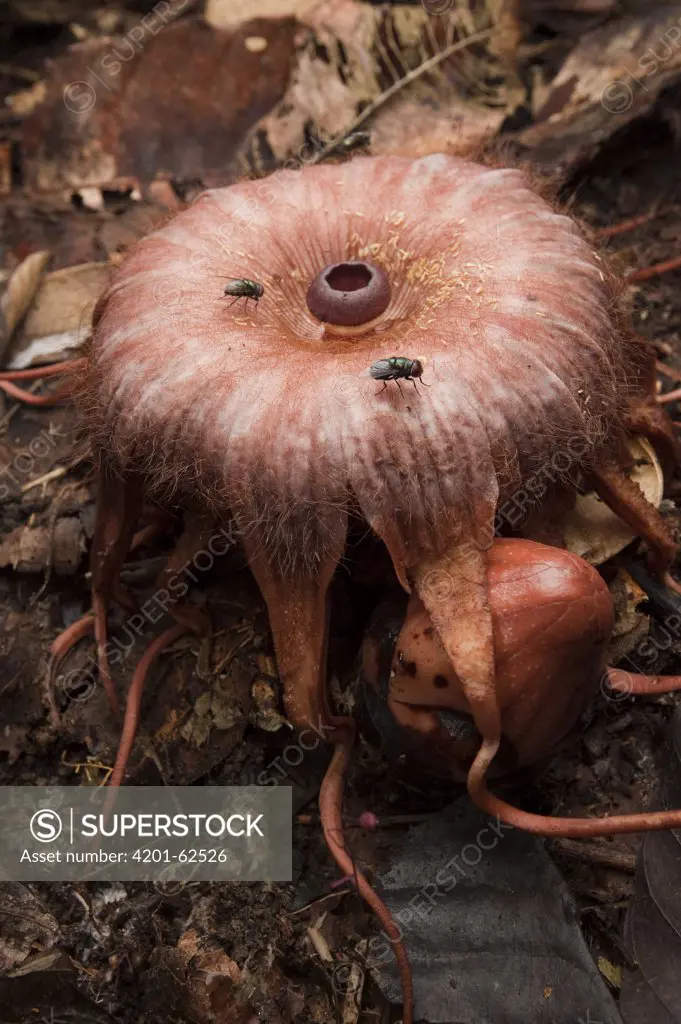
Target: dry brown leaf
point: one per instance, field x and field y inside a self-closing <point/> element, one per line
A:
<point x="631" y="624"/>
<point x="60" y="318"/>
<point x="178" y="108"/>
<point x="358" y="54"/>
<point x="613" y="75"/>
<point x="34" y="549"/>
<point x="595" y="533"/>
<point x="27" y="926"/>
<point x="408" y="128"/>
<point x="213" y="983"/>
<point x="19" y="293"/>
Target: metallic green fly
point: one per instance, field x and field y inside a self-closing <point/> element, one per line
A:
<point x="397" y="368"/>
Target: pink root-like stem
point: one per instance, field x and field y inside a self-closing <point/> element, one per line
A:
<point x="68" y="639"/>
<point x="545" y="825"/>
<point x="645" y="273"/>
<point x="627" y="500"/>
<point x="633" y="683"/>
<point x="670" y="396"/>
<point x="37" y="373"/>
<point x="159" y="523"/>
<point x="188" y="618"/>
<point x="30" y="399"/>
<point x="59" y="649"/>
<point x="670" y="582"/>
<point x="50" y="370"/>
<point x="626" y="225"/>
<point x="341" y="881"/>
<point x="668" y="371"/>
<point x="330" y="807"/>
<point x="134" y="701"/>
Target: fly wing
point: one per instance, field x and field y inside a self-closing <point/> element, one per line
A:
<point x="381" y="370"/>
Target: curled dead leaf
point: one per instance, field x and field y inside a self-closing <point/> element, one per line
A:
<point x="369" y="59"/>
<point x="34" y="549"/>
<point x="59" y="320"/>
<point x="27" y="926"/>
<point x="595" y="533"/>
<point x="19" y="293"/>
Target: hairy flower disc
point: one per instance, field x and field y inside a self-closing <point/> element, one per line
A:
<point x="271" y="412"/>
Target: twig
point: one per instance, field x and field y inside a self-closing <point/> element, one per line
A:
<point x="320" y="944"/>
<point x="594" y="853"/>
<point x="671" y="396"/>
<point x="381" y="100"/>
<point x="53" y="474"/>
<point x="25" y="917"/>
<point x="355" y="985"/>
<point x="315" y="903"/>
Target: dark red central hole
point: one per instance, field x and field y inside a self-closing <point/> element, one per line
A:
<point x="349" y="294"/>
<point x="349" y="277"/>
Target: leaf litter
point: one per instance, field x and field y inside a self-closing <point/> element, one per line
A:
<point x="269" y="84"/>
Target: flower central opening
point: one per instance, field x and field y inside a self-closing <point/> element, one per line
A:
<point x="349" y="277"/>
<point x="349" y="293"/>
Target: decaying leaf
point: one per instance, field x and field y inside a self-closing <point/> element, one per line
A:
<point x="33" y="549"/>
<point x="18" y="295"/>
<point x="595" y="533"/>
<point x="358" y="53"/>
<point x="611" y="972"/>
<point x="177" y="107"/>
<point x="26" y="926"/>
<point x="614" y="75"/>
<point x="215" y="983"/>
<point x="492" y="907"/>
<point x="631" y="623"/>
<point x="59" y="320"/>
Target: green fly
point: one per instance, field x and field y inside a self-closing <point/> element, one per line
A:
<point x="243" y="288"/>
<point x="397" y="368"/>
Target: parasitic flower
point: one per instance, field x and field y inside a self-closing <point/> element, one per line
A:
<point x="268" y="412"/>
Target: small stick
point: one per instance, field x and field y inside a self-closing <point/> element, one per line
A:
<point x="427" y="65"/>
<point x="594" y="853"/>
<point x="320" y="944"/>
<point x="53" y="474"/>
<point x="353" y="994"/>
